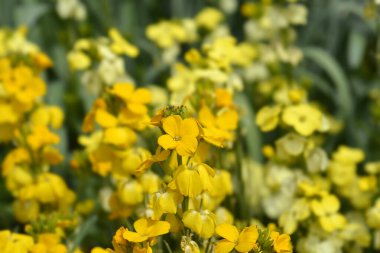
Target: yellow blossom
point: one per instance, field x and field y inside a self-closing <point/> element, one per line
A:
<point x="145" y="229"/>
<point x="181" y="135"/>
<point x="281" y="242"/>
<point x="232" y="239"/>
<point x="304" y="118"/>
<point x="268" y="117"/>
<point x="202" y="223"/>
<point x="120" y="45"/>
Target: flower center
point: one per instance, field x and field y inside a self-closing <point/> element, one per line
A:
<point x="177" y="138"/>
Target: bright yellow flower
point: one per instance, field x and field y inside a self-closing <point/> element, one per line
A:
<point x="134" y="99"/>
<point x="130" y="193"/>
<point x="192" y="181"/>
<point x="145" y="229"/>
<point x="120" y="45"/>
<point x="181" y="135"/>
<point x="202" y="223"/>
<point x="49" y="243"/>
<point x="304" y="118"/>
<point x="41" y="136"/>
<point x="243" y="242"/>
<point x="218" y="129"/>
<point x="165" y="202"/>
<point x="15" y="243"/>
<point x="118" y="242"/>
<point x="121" y="137"/>
<point x="281" y="243"/>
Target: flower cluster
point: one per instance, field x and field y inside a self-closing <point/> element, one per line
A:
<point x="222" y="143"/>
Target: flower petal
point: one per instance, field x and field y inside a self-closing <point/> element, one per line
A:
<point x="228" y="232"/>
<point x="224" y="246"/>
<point x="172" y="125"/>
<point x="167" y="142"/>
<point x="189" y="127"/>
<point x="134" y="237"/>
<point x="187" y="146"/>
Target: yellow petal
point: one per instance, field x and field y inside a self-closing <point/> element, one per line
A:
<point x="158" y="228"/>
<point x="189" y="127"/>
<point x="224" y="246"/>
<point x="228" y="232"/>
<point x="134" y="237"/>
<point x="105" y="119"/>
<point x="142" y="96"/>
<point x="172" y="125"/>
<point x="268" y="117"/>
<point x="247" y="239"/>
<point x="188" y="183"/>
<point x="141" y="225"/>
<point x="122" y="90"/>
<point x="167" y="142"/>
<point x="187" y="145"/>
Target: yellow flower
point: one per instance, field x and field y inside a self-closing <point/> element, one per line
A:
<point x="181" y="135"/>
<point x="218" y="129"/>
<point x="49" y="243"/>
<point x="118" y="242"/>
<point x="281" y="243"/>
<point x="326" y="209"/>
<point x="15" y="243"/>
<point x="42" y="60"/>
<point x="209" y="18"/>
<point x="121" y="137"/>
<point x="202" y="223"/>
<point x="40" y="137"/>
<point x="192" y="181"/>
<point x="131" y="192"/>
<point x="243" y="242"/>
<point x="78" y="60"/>
<point x="134" y="99"/>
<point x="304" y="118"/>
<point x="120" y="45"/>
<point x="145" y="229"/>
<point x="165" y="202"/>
<point x="268" y="117"/>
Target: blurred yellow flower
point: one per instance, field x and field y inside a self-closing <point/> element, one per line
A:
<point x="120" y="45"/>
<point x="304" y="118"/>
<point x="268" y="117"/>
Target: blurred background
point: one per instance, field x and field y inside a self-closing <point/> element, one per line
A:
<point x="340" y="43"/>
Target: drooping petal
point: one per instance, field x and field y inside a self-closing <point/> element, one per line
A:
<point x="187" y="182"/>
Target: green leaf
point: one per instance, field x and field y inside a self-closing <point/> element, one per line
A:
<point x="249" y="128"/>
<point x="82" y="232"/>
<point x="355" y="50"/>
<point x="28" y="13"/>
<point x="335" y="72"/>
